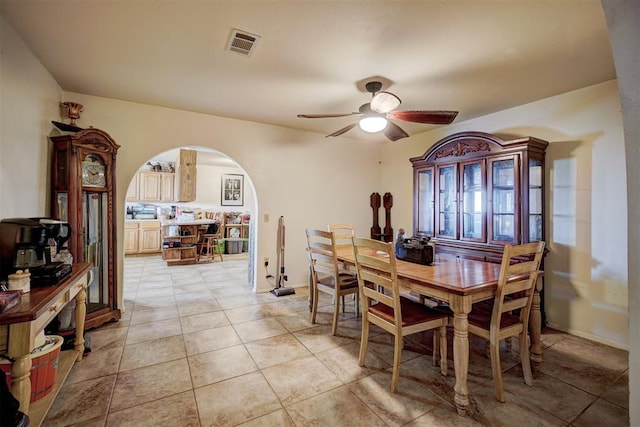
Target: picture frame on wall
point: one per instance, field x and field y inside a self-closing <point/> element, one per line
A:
<point x="232" y="192"/>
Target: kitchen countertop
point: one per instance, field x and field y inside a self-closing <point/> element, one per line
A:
<point x="187" y="222"/>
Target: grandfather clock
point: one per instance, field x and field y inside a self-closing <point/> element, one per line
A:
<point x="83" y="194"/>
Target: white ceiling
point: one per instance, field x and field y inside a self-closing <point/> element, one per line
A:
<point x="475" y="57"/>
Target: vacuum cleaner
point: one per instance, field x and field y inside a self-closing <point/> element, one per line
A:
<point x="281" y="277"/>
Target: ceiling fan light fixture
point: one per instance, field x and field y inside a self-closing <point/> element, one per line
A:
<point x="372" y="124"/>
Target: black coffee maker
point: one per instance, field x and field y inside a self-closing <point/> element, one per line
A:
<point x="59" y="231"/>
<point x="24" y="244"/>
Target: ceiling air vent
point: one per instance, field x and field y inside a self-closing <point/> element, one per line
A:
<point x="242" y="42"/>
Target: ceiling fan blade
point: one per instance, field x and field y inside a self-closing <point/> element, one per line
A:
<point x="383" y="102"/>
<point x="394" y="132"/>
<point x="343" y="130"/>
<point x="325" y="116"/>
<point x="430" y="117"/>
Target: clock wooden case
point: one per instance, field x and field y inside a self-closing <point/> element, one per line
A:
<point x="83" y="194"/>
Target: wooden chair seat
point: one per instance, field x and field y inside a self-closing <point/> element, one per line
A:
<point x="413" y="312"/>
<point x="482" y="319"/>
<point x="346" y="281"/>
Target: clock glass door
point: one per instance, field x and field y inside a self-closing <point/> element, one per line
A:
<point x="95" y="247"/>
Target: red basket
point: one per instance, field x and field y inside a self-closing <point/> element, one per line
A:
<point x="44" y="366"/>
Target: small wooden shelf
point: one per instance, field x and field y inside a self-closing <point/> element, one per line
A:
<point x="38" y="409"/>
<point x="228" y="225"/>
<point x="185" y="252"/>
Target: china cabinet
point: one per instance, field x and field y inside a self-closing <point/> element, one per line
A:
<point x="474" y="192"/>
<point x="83" y="194"/>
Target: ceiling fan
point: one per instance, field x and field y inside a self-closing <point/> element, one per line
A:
<point x="375" y="115"/>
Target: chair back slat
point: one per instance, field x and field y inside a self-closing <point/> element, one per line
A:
<point x="523" y="267"/>
<point x="378" y="276"/>
<point x="517" y="286"/>
<point x="514" y="304"/>
<point x="342" y="232"/>
<point x="322" y="254"/>
<point x="517" y="281"/>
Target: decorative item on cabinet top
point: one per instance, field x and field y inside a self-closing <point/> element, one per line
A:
<point x="72" y="110"/>
<point x="158" y="166"/>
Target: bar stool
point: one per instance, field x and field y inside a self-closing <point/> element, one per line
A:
<point x="209" y="246"/>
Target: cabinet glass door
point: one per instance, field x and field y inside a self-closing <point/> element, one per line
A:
<point x="447" y="202"/>
<point x="426" y="203"/>
<point x="535" y="200"/>
<point x="503" y="196"/>
<point x="472" y="202"/>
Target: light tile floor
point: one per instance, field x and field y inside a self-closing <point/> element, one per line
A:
<point x="196" y="347"/>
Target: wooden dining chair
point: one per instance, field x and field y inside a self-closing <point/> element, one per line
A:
<point x="383" y="305"/>
<point x="508" y="314"/>
<point x="326" y="275"/>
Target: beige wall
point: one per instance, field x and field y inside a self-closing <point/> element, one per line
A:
<point x="296" y="174"/>
<point x="586" y="269"/>
<point x="29" y="101"/>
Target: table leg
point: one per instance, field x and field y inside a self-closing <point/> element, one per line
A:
<point x="535" y="326"/>
<point x="310" y="286"/>
<point x="21" y="381"/>
<point x="20" y="347"/>
<point x="461" y="307"/>
<point x="81" y="313"/>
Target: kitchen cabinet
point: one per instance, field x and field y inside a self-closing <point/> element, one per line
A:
<point x="132" y="192"/>
<point x="142" y="237"/>
<point x="83" y="186"/>
<point x="131" y="237"/>
<point x="167" y="184"/>
<point x="155" y="186"/>
<point x="474" y="192"/>
<point x="149" y="186"/>
<point x="185" y="182"/>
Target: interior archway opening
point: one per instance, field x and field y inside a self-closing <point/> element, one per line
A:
<point x="167" y="197"/>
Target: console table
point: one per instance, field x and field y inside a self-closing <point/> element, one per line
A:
<point x="20" y="325"/>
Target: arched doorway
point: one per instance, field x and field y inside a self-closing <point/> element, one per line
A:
<point x="212" y="168"/>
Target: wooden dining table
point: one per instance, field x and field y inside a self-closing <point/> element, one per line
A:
<point x="459" y="282"/>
